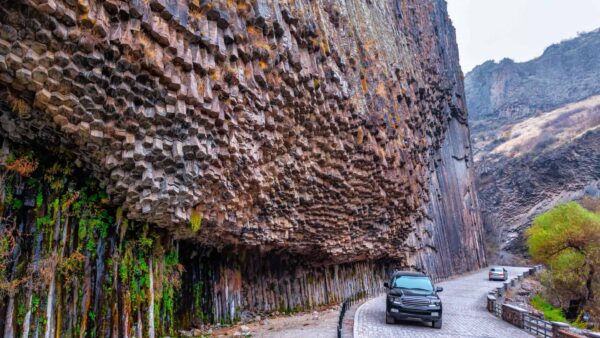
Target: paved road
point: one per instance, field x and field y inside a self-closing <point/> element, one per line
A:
<point x="465" y="314"/>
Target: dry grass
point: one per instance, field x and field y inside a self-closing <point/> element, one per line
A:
<point x="47" y="268"/>
<point x="18" y="105"/>
<point x="67" y="204"/>
<point x="551" y="129"/>
<point x="71" y="266"/>
<point x="23" y="166"/>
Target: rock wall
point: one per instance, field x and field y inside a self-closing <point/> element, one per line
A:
<point x="330" y="131"/>
<point x="534" y="129"/>
<point x="73" y="265"/>
<point x="566" y="72"/>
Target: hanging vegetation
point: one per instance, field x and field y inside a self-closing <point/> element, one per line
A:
<point x="71" y="264"/>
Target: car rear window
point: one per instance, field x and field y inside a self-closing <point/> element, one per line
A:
<point x="497" y="269"/>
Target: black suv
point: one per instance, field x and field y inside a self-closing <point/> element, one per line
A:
<point x="411" y="295"/>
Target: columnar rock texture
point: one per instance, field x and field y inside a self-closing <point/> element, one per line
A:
<point x="535" y="134"/>
<point x="267" y="155"/>
<point x="331" y="127"/>
<point x="72" y="265"/>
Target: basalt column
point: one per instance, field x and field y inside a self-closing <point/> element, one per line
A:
<point x="287" y="153"/>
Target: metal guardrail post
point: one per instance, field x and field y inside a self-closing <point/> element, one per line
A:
<point x="557" y="326"/>
<point x="522" y="318"/>
<point x="343" y="310"/>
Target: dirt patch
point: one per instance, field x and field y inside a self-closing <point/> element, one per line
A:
<point x="316" y="324"/>
<point x="522" y="294"/>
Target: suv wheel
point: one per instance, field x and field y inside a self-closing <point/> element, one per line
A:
<point x="437" y="324"/>
<point x="389" y="319"/>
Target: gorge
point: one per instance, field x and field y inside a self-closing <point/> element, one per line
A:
<point x="535" y="131"/>
<point x="167" y="164"/>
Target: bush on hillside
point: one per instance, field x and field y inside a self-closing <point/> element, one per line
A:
<point x="566" y="240"/>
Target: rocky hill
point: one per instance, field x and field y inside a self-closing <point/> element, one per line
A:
<point x="566" y="72"/>
<point x="174" y="163"/>
<point x="535" y="131"/>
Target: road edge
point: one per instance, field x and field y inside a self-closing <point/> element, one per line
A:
<point x="356" y="313"/>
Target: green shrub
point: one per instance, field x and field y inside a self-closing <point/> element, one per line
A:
<point x="551" y="313"/>
<point x="566" y="239"/>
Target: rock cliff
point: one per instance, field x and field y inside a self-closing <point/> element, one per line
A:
<point x="566" y="72"/>
<point x="535" y="134"/>
<point x="286" y="153"/>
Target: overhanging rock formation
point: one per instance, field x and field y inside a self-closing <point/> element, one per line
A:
<point x="331" y="130"/>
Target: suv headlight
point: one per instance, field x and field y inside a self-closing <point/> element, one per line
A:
<point x="394" y="299"/>
<point x="435" y="302"/>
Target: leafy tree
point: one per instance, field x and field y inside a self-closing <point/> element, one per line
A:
<point x="567" y="240"/>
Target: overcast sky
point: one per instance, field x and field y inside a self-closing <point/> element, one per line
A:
<point x="517" y="29"/>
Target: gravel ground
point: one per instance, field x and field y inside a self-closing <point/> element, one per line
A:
<point x="316" y="324"/>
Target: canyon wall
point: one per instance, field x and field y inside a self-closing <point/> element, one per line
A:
<point x="266" y="155"/>
<point x="535" y="136"/>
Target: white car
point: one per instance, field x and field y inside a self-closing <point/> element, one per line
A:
<point x="498" y="273"/>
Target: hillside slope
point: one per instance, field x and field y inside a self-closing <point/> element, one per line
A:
<point x="535" y="132"/>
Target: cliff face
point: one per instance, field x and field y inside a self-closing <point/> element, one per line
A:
<point x="535" y="131"/>
<point x="566" y="72"/>
<point x="315" y="133"/>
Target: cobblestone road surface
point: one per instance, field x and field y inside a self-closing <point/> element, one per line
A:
<point x="464" y="316"/>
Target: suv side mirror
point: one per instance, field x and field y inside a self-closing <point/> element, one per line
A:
<point x="439" y="289"/>
<point x="386" y="285"/>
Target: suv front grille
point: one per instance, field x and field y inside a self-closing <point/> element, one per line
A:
<point x="415" y="301"/>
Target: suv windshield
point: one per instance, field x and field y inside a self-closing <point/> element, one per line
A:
<point x="413" y="282"/>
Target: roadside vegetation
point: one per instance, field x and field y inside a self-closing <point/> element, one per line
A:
<point x="566" y="240"/>
<point x="551" y="313"/>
